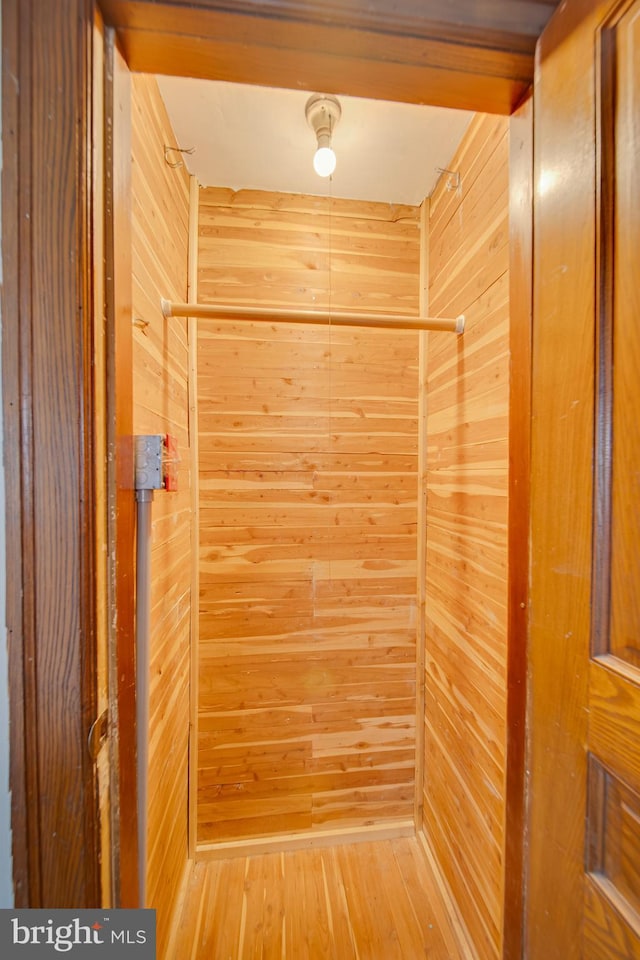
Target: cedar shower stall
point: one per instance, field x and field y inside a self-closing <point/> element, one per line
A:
<point x="329" y="597"/>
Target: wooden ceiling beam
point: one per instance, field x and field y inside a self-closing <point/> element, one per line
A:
<point x="408" y="51"/>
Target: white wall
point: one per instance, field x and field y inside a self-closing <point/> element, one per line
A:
<point x="6" y="870"/>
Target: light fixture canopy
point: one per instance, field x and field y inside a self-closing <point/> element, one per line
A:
<point x="323" y="113"/>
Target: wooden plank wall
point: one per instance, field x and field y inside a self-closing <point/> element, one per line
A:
<point x="467" y="487"/>
<point x="308" y="449"/>
<point x="160" y="211"/>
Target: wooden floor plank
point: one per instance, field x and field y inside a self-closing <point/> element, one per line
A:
<point x="376" y="900"/>
<point x="316" y="913"/>
<point x="296" y="918"/>
<point x="273" y="909"/>
<point x="365" y="884"/>
<point x="223" y="926"/>
<point x="189" y="923"/>
<point x="411" y="932"/>
<point x="341" y="928"/>
<point x="438" y="924"/>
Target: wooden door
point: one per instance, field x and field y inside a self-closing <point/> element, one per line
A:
<point x="583" y="882"/>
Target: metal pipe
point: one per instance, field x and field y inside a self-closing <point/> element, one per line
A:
<point x="144" y="499"/>
<point x="387" y="321"/>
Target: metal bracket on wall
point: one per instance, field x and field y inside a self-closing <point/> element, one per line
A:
<point x="454" y="181"/>
<point x="174" y="164"/>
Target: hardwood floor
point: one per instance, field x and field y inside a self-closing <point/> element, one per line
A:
<point x="367" y="901"/>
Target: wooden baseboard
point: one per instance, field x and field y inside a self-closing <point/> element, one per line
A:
<point x="178" y="904"/>
<point x="465" y="943"/>
<point x="302" y="841"/>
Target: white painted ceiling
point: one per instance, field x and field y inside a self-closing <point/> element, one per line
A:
<point x="257" y="137"/>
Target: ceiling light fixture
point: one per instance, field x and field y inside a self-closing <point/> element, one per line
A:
<point x="323" y="112"/>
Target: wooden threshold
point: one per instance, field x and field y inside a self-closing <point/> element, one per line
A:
<point x="305" y="841"/>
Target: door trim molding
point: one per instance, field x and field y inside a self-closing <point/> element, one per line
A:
<point x="47" y="320"/>
<point x="121" y="522"/>
<point x="520" y="310"/>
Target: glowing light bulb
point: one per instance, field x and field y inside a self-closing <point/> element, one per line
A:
<point x="324" y="161"/>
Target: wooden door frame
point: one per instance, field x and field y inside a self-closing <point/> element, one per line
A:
<point x="120" y="572"/>
<point x="31" y="298"/>
<point x="47" y="345"/>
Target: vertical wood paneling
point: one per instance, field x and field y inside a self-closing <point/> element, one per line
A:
<point x="467" y="425"/>
<point x="160" y="359"/>
<point x="308" y="458"/>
